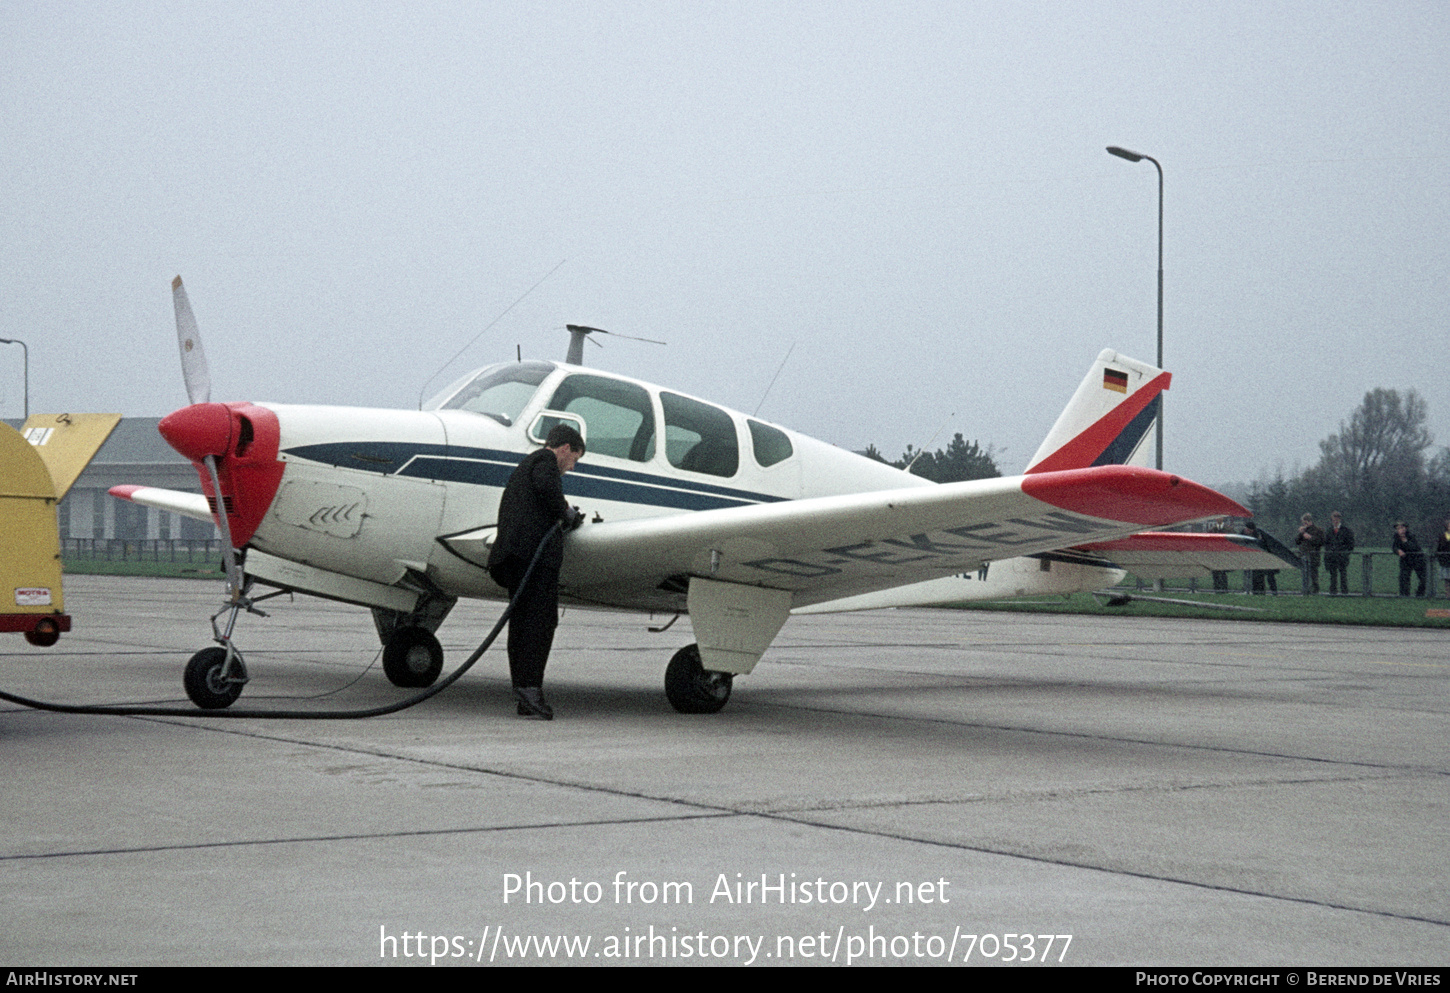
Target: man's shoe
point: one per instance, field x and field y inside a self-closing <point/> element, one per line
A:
<point x="531" y="703"/>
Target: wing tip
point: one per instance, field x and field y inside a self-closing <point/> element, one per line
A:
<point x="125" y="491"/>
<point x="1132" y="494"/>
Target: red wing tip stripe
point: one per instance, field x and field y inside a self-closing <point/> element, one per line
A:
<point x="126" y="490"/>
<point x="1130" y="494"/>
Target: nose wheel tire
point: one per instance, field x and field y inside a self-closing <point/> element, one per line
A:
<point x="693" y="689"/>
<point x="206" y="682"/>
<point x="412" y="658"/>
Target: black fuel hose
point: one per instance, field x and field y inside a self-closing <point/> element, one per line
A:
<point x="305" y="715"/>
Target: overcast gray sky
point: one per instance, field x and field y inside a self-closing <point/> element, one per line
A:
<point x="915" y="195"/>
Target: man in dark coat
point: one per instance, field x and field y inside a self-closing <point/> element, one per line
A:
<point x="1338" y="543"/>
<point x="532" y="502"/>
<point x="1412" y="558"/>
<point x="1309" y="540"/>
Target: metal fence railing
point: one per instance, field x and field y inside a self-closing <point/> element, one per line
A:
<point x="1375" y="573"/>
<point x="141" y="550"/>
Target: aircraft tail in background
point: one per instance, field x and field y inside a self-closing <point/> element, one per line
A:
<point x="1110" y="420"/>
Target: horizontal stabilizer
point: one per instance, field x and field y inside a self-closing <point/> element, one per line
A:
<point x="1181" y="555"/>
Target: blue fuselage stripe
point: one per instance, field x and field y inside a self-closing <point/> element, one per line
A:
<point x="492" y="467"/>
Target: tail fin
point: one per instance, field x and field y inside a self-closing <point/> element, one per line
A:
<point x="1109" y="420"/>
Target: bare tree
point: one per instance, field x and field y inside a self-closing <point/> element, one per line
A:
<point x="1377" y="459"/>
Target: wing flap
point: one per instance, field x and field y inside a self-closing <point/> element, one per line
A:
<point x="828" y="547"/>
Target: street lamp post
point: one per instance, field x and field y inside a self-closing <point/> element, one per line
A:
<point x="1123" y="153"/>
<point x="17" y="341"/>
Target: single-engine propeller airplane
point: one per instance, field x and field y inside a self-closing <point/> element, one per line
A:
<point x="690" y="508"/>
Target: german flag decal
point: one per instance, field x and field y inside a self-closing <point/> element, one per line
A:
<point x="1115" y="380"/>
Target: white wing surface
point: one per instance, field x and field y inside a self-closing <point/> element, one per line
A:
<point x="830" y="547"/>
<point x="192" y="505"/>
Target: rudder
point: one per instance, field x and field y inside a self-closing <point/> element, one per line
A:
<point x="1110" y="420"/>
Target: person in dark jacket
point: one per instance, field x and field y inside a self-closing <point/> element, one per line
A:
<point x="1338" y="543"/>
<point x="532" y="502"/>
<point x="1412" y="558"/>
<point x="1309" y="541"/>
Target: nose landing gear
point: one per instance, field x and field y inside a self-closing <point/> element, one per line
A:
<point x="214" y="676"/>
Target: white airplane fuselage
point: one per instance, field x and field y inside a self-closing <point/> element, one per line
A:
<point x="383" y="495"/>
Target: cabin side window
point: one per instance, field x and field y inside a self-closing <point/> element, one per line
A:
<point x="618" y="416"/>
<point x="699" y="437"/>
<point x="771" y="445"/>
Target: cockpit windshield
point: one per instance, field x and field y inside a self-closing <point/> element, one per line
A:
<point x="499" y="391"/>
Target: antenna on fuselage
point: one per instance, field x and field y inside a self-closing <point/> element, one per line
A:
<point x="778" y="371"/>
<point x="577" y="334"/>
<point x="923" y="451"/>
<point x="490" y="324"/>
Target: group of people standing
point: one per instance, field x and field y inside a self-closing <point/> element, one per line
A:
<point x="1337" y="542"/>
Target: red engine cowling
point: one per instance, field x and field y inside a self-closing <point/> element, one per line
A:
<point x="243" y="438"/>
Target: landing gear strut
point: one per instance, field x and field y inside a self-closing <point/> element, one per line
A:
<point x="215" y="676"/>
<point x="412" y="657"/>
<point x="693" y="689"/>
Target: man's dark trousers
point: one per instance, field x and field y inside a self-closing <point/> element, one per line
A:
<point x="531" y="627"/>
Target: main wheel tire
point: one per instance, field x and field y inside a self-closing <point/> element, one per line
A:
<point x="693" y="689"/>
<point x="412" y="658"/>
<point x="204" y="682"/>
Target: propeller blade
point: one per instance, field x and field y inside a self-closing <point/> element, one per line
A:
<point x="193" y="360"/>
<point x="198" y="390"/>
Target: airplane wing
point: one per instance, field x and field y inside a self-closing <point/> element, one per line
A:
<point x="1178" y="555"/>
<point x="192" y="505"/>
<point x="830" y="547"/>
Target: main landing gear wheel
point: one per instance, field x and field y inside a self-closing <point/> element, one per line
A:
<point x="693" y="689"/>
<point x="205" y="680"/>
<point x="412" y="658"/>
